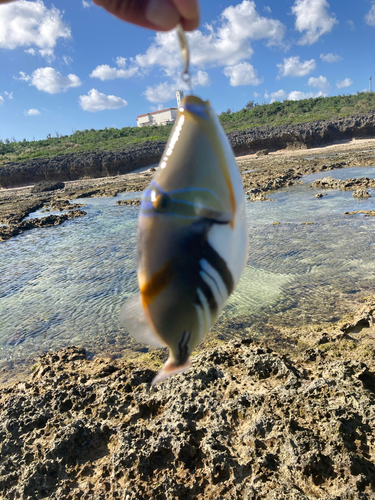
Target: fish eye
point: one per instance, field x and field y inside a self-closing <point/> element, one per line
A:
<point x="161" y="203"/>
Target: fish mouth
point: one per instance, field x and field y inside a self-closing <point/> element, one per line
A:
<point x="196" y="106"/>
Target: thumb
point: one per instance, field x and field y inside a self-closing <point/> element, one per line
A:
<point x="161" y="15"/>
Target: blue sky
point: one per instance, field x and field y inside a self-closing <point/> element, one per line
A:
<point x="69" y="65"/>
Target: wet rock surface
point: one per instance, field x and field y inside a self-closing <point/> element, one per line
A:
<point x="367" y="213"/>
<point x="245" y="422"/>
<point x="357" y="185"/>
<point x="16" y="205"/>
<point x="260" y="176"/>
<point x="320" y="195"/>
<point x="7" y="232"/>
<point x="361" y="193"/>
<point x="43" y="186"/>
<point x="135" y="203"/>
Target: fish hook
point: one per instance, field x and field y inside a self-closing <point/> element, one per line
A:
<point x="185" y="55"/>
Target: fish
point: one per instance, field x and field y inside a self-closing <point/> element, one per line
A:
<point x="192" y="238"/>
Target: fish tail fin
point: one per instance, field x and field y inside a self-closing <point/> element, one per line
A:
<point x="170" y="368"/>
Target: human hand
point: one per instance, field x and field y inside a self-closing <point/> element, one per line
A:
<point x="161" y="15"/>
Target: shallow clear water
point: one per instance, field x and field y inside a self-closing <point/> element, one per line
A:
<point x="342" y="173"/>
<point x="65" y="284"/>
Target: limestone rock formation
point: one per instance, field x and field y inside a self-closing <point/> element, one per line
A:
<point x="108" y="163"/>
<point x="245" y="422"/>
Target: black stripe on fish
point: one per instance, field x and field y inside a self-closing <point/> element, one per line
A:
<point x="193" y="247"/>
<point x="206" y="271"/>
<point x="218" y="263"/>
<point x="183" y="348"/>
<point x="206" y="289"/>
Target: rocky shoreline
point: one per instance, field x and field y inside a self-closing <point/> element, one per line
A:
<point x="295" y="422"/>
<point x="288" y="418"/>
<point x="17" y="205"/>
<point x="261" y="175"/>
<point x="98" y="163"/>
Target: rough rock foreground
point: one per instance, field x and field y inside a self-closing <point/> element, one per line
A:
<point x="108" y="163"/>
<point x="246" y="422"/>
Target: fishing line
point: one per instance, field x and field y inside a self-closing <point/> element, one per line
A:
<point x="185" y="56"/>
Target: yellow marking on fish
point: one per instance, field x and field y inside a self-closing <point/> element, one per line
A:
<point x="156" y="284"/>
<point x="217" y="146"/>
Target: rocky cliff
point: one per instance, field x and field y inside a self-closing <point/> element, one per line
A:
<point x="75" y="166"/>
<point x="304" y="135"/>
<point x="107" y="163"/>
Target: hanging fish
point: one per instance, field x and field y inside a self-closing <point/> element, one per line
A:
<point x="192" y="238"/>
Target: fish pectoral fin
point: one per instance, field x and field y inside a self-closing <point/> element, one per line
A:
<point x="214" y="215"/>
<point x="170" y="368"/>
<point x="134" y="319"/>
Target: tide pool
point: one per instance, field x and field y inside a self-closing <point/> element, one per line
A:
<point x="65" y="284"/>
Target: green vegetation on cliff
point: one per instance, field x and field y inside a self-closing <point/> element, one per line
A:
<point x="295" y="112"/>
<point x="252" y="115"/>
<point x="81" y="141"/>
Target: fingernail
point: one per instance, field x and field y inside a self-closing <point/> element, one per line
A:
<point x="162" y="13"/>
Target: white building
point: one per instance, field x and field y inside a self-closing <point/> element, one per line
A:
<point x="162" y="117"/>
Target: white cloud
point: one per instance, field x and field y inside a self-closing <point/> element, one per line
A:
<point x="48" y="54"/>
<point x="279" y="95"/>
<point x="297" y="95"/>
<point x="67" y="60"/>
<point x="223" y="43"/>
<point x="25" y="23"/>
<point x="86" y="4"/>
<point x="313" y="18"/>
<point x="256" y="94"/>
<point x="162" y="92"/>
<point x="242" y="74"/>
<point x="292" y="66"/>
<point x="370" y="16"/>
<point x="200" y="79"/>
<point x="344" y="83"/>
<point x="267" y="8"/>
<point x="30" y="51"/>
<point x="96" y="101"/>
<point x="166" y="91"/>
<point x="159" y="107"/>
<point x="51" y="81"/>
<point x="121" y="62"/>
<point x="8" y="94"/>
<point x="23" y="77"/>
<point x="330" y="58"/>
<point x="32" y="112"/>
<point x="105" y="72"/>
<point x="320" y="83"/>
<point x="350" y="24"/>
<point x="1" y="100"/>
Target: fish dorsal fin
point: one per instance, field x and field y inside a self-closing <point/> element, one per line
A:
<point x="134" y="319"/>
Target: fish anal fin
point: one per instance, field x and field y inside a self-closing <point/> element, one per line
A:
<point x="133" y="317"/>
<point x="170" y="368"/>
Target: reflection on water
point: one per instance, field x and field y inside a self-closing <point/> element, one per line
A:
<point x="65" y="285"/>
